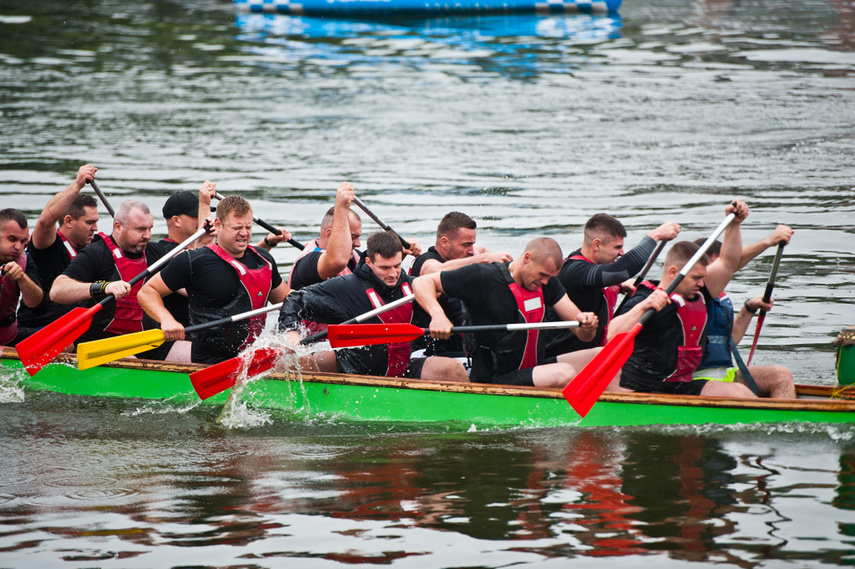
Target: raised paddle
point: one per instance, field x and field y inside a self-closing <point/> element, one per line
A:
<point x="642" y="274"/>
<point x="269" y="227"/>
<point x="97" y="352"/>
<point x="219" y="377"/>
<point x="103" y="197"/>
<point x="767" y="296"/>
<point x="43" y="346"/>
<point x="379" y="221"/>
<point x="584" y="389"/>
<point x="348" y="336"/>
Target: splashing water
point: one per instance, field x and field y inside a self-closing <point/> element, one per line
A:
<point x="10" y="386"/>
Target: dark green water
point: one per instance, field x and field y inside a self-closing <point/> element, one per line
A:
<point x="530" y="124"/>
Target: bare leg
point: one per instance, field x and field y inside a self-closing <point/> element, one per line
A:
<point x="722" y="389"/>
<point x="179" y="352"/>
<point x="319" y="361"/>
<point x="775" y="381"/>
<point x="444" y="369"/>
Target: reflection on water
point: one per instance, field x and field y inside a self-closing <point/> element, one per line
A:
<point x="111" y="491"/>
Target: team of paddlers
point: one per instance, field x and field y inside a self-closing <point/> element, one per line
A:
<point x="687" y="344"/>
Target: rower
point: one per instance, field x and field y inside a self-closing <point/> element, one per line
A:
<point x="104" y="268"/>
<point x="221" y="280"/>
<point x="454" y="248"/>
<point x="67" y="224"/>
<point x="506" y="293"/>
<point x="725" y="330"/>
<point x="19" y="276"/>
<point x="593" y="275"/>
<point x="375" y="282"/>
<point x="668" y="349"/>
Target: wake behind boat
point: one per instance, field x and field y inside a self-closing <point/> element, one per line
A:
<point x="364" y="398"/>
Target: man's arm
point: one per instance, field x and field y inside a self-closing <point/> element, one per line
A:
<point x="150" y="298"/>
<point x="280" y="293"/>
<point x="657" y="300"/>
<point x="567" y="310"/>
<point x="434" y="266"/>
<point x="722" y="269"/>
<point x="31" y="292"/>
<point x="782" y="233"/>
<point x="44" y="233"/>
<point x="66" y="290"/>
<point x="427" y="289"/>
<point x="744" y="315"/>
<point x="207" y="191"/>
<point x="339" y="251"/>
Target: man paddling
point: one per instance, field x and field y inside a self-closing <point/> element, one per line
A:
<point x="223" y="279"/>
<point x="375" y="282"/>
<point x="726" y="327"/>
<point x="19" y="276"/>
<point x="67" y="224"/>
<point x="593" y="274"/>
<point x="105" y="267"/>
<point x="454" y="248"/>
<point x="668" y="348"/>
<point x="504" y="293"/>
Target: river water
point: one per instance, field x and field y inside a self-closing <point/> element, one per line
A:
<point x="530" y="124"/>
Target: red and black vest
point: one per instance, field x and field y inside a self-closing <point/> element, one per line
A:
<point x="10" y="293"/>
<point x="398" y="354"/>
<point x="610" y="295"/>
<point x="256" y="285"/>
<point x="531" y="307"/>
<point x="129" y="313"/>
<point x="693" y="318"/>
<point x="72" y="252"/>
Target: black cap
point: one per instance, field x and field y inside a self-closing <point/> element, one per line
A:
<point x="181" y="203"/>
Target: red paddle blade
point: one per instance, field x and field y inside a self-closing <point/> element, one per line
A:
<point x="350" y="335"/>
<point x="39" y="349"/>
<point x="217" y="378"/>
<point x="760" y="320"/>
<point x="584" y="389"/>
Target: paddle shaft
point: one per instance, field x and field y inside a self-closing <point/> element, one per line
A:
<point x="103" y="197"/>
<point x="361" y="318"/>
<point x="643" y="273"/>
<point x="379" y="221"/>
<point x="269" y="227"/>
<point x="235" y="318"/>
<point x="767" y="296"/>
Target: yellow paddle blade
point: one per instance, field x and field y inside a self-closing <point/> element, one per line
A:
<point x="91" y="354"/>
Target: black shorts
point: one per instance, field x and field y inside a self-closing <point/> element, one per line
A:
<point x="520" y="376"/>
<point x="668" y="387"/>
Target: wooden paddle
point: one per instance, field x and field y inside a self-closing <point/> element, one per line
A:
<point x="39" y="349"/>
<point x="640" y="278"/>
<point x="98" y="352"/>
<point x="269" y="227"/>
<point x="348" y="336"/>
<point x="584" y="389"/>
<point x="767" y="296"/>
<point x="379" y="221"/>
<point x="219" y="377"/>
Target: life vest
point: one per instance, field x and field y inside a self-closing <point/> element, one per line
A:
<point x="129" y="313"/>
<point x="398" y="354"/>
<point x="10" y="293"/>
<point x="610" y="295"/>
<point x="256" y="285"/>
<point x="719" y="333"/>
<point x="531" y="308"/>
<point x="72" y="252"/>
<point x="693" y="318"/>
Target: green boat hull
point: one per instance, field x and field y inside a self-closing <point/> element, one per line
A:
<point x="360" y="398"/>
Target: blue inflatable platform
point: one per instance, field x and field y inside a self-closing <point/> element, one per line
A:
<point x="368" y="8"/>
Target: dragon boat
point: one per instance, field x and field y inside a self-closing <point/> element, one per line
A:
<point x="372" y="8"/>
<point x="364" y="398"/>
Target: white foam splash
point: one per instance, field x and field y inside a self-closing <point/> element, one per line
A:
<point x="10" y="386"/>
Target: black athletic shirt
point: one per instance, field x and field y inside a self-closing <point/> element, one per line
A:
<point x="485" y="291"/>
<point x="584" y="283"/>
<point x="453" y="308"/>
<point x="305" y="270"/>
<point x="95" y="263"/>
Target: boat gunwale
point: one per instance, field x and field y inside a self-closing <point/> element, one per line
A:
<point x="819" y="397"/>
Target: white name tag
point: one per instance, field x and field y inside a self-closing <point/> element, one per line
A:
<point x="532" y="304"/>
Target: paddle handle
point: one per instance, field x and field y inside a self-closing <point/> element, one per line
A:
<point x="267" y="226"/>
<point x="770" y="284"/>
<point x="235" y="318"/>
<point x="361" y="318"/>
<point x="691" y="263"/>
<point x="102" y="197"/>
<point x="514" y="327"/>
<point x="379" y="221"/>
